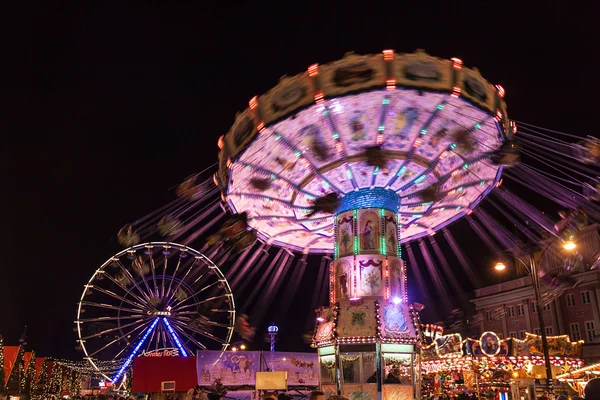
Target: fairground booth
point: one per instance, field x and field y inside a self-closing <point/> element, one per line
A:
<point x="174" y="374"/>
<point x="489" y="364"/>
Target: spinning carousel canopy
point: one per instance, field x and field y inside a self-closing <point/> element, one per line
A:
<point x="411" y="124"/>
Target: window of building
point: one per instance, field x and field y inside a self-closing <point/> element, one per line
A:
<point x="575" y="333"/>
<point x="512" y="334"/>
<point x="585" y="297"/>
<point x="537" y="331"/>
<point x="570" y="300"/>
<point x="590" y="331"/>
<point x="510" y="311"/>
<point x="533" y="307"/>
<point x="520" y="309"/>
<point x="549" y="330"/>
<point x="521" y="334"/>
<point x="488" y="315"/>
<point x="547" y="307"/>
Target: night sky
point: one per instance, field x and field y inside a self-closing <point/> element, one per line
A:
<point x="105" y="108"/>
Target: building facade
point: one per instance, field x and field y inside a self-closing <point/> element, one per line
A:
<point x="509" y="308"/>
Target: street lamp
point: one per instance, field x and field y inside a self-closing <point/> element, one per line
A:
<point x="532" y="269"/>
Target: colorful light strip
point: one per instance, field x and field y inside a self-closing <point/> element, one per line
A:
<point x="134" y="352"/>
<point x="175" y="337"/>
<point x="382" y="218"/>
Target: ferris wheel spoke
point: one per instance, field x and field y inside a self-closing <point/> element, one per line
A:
<point x="130" y="276"/>
<point x="177" y="308"/>
<point x="125" y="289"/>
<point x="102" y="319"/>
<point x="212" y="323"/>
<point x="162" y="293"/>
<point x="110" y="307"/>
<point x="169" y="301"/>
<point x="127" y="345"/>
<point x="189" y="337"/>
<point x="116" y="296"/>
<point x="136" y="261"/>
<point x="173" y="277"/>
<point x="183" y="325"/>
<point x="196" y="293"/>
<point x="110" y="330"/>
<point x="153" y="269"/>
<point x="120" y="338"/>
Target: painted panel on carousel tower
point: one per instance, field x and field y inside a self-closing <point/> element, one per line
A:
<point x="397" y="272"/>
<point x="390" y="233"/>
<point x="369" y="231"/>
<point x="369" y="280"/>
<point x="395" y="321"/>
<point x="345" y="233"/>
<point x="344" y="278"/>
<point x="357" y="320"/>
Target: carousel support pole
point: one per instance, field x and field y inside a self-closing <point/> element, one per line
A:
<point x="378" y="362"/>
<point x="338" y="370"/>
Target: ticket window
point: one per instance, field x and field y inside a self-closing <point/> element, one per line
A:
<point x="359" y="368"/>
<point x="328" y="370"/>
<point x="398" y="368"/>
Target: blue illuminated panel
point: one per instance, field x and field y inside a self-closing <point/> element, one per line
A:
<point x="370" y="198"/>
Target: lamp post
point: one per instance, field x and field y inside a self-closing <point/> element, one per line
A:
<point x="272" y="330"/>
<point x="532" y="268"/>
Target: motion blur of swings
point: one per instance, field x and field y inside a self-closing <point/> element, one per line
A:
<point x="234" y="234"/>
<point x="243" y="328"/>
<point x="325" y="204"/>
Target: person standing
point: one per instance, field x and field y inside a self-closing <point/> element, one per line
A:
<point x="472" y="396"/>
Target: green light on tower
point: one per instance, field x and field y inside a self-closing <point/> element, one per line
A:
<point x="355" y="233"/>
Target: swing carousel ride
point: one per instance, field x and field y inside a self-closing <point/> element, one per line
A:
<point x="362" y="161"/>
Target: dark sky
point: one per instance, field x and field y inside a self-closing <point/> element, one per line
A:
<point x="105" y="107"/>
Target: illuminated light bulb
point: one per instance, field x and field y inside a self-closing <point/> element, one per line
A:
<point x="396" y="300"/>
<point x="569" y="245"/>
<point x="320" y="319"/>
<point x="243" y="346"/>
<point x="500" y="266"/>
<point x="501" y="91"/>
<point x="234" y="349"/>
<point x="457" y="63"/>
<point x="253" y="102"/>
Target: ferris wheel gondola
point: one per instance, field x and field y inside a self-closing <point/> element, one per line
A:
<point x="154" y="296"/>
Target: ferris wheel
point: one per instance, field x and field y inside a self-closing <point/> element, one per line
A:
<point x="151" y="297"/>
